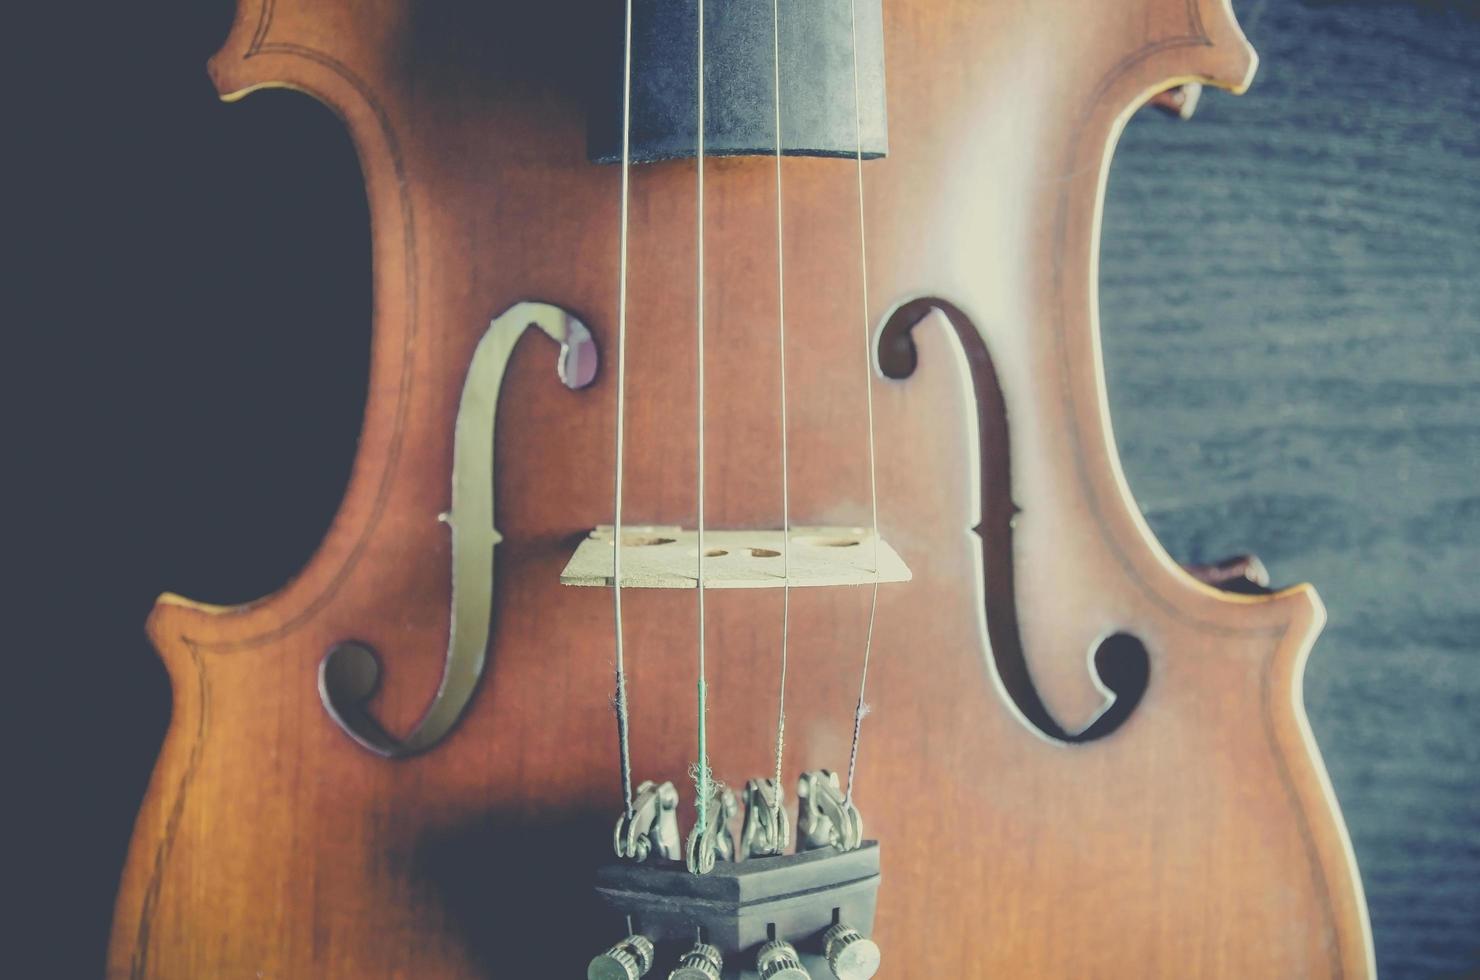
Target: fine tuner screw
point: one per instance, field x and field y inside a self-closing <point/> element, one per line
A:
<point x="778" y="960"/>
<point x="849" y="954"/>
<point x="703" y="962"/>
<point x="629" y="959"/>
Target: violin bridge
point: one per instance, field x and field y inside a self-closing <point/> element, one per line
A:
<point x="667" y="558"/>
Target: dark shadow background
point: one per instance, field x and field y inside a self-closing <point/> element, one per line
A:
<point x="1292" y="338"/>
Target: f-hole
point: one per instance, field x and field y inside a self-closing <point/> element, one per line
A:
<point x="1120" y="662"/>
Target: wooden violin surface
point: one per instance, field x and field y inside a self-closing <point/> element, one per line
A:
<point x="1080" y="760"/>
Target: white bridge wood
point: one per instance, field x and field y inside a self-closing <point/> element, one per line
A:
<point x="667" y="558"/>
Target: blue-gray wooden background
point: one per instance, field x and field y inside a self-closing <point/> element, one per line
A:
<point x="1291" y="311"/>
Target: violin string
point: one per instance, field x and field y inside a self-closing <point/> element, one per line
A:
<point x="701" y="774"/>
<point x="785" y="479"/>
<point x="868" y="644"/>
<point x="620" y="698"/>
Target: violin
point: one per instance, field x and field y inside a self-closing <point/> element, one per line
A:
<point x="737" y="577"/>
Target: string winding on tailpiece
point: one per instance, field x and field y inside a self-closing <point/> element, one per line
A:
<point x="767" y="829"/>
<point x="815" y="905"/>
<point x="827" y="818"/>
<point x="651" y="827"/>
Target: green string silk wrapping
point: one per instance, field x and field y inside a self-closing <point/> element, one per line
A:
<point x="701" y="774"/>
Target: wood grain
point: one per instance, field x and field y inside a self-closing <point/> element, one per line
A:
<point x="1199" y="839"/>
<point x="1292" y="344"/>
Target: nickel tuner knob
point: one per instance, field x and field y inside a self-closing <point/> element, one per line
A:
<point x="629" y="959"/>
<point x="778" y="960"/>
<point x="703" y="962"/>
<point x="849" y="954"/>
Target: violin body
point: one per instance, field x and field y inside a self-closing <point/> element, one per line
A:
<point x="1079" y="761"/>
